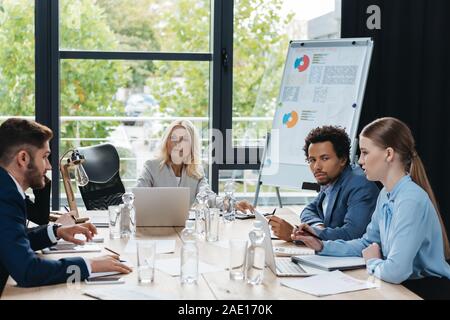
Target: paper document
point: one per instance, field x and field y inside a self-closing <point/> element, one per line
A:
<point x="125" y="293"/>
<point x="162" y="246"/>
<point x="328" y="283"/>
<point x="221" y="243"/>
<point x="172" y="267"/>
<point x="99" y="218"/>
<point x="71" y="248"/>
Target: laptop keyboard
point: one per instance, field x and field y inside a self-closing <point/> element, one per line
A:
<point x="285" y="265"/>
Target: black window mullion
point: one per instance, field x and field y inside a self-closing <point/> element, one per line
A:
<point x="232" y="161"/>
<point x="222" y="78"/>
<point x="129" y="55"/>
<point x="47" y="80"/>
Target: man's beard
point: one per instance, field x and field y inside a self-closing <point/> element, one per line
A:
<point x="324" y="183"/>
<point x="34" y="177"/>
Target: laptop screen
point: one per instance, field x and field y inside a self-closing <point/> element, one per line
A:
<point x="270" y="256"/>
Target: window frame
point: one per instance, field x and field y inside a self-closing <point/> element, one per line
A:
<point x="48" y="57"/>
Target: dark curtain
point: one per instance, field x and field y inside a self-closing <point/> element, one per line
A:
<point x="409" y="77"/>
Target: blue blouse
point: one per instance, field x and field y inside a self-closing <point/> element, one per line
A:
<point x="406" y="227"/>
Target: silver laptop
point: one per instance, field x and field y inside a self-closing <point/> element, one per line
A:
<point x="161" y="207"/>
<point x="283" y="266"/>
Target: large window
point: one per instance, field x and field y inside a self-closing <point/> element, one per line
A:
<point x="262" y="31"/>
<point x="98" y="105"/>
<point x="119" y="71"/>
<point x="17" y="69"/>
<point x="135" y="25"/>
<point x="128" y="100"/>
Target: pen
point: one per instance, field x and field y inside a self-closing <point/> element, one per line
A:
<point x="112" y="251"/>
<point x="273" y="213"/>
<point x="120" y="260"/>
<point x="309" y="233"/>
<point x="68" y="210"/>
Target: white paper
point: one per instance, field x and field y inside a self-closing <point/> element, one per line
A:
<point x="328" y="283"/>
<point x="162" y="246"/>
<point x="99" y="218"/>
<point x="321" y="90"/>
<point x="125" y="293"/>
<point x="172" y="267"/>
<point x="221" y="243"/>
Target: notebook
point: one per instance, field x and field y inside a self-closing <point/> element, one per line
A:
<point x="331" y="263"/>
<point x="71" y="248"/>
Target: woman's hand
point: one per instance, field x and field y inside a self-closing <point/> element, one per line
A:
<point x="372" y="252"/>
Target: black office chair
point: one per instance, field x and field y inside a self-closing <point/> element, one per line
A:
<point x="430" y="288"/>
<point x="105" y="188"/>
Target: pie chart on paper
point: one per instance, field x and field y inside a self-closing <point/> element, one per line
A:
<point x="302" y="63"/>
<point x="290" y="119"/>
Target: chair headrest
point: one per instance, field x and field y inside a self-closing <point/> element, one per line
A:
<point x="101" y="162"/>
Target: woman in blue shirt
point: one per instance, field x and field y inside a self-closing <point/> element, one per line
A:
<point x="406" y="238"/>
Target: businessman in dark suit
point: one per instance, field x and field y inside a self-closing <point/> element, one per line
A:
<point x="344" y="206"/>
<point x="24" y="151"/>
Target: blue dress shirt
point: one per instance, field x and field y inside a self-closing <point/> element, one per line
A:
<point x="406" y="226"/>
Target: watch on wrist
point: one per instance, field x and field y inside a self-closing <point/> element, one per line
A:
<point x="55" y="228"/>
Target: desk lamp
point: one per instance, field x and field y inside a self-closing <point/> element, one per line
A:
<point x="74" y="161"/>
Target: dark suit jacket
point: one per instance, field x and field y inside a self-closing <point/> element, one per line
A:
<point x="350" y="206"/>
<point x="39" y="210"/>
<point x="17" y="245"/>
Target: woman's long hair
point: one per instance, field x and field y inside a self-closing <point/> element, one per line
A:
<point x="193" y="166"/>
<point x="393" y="133"/>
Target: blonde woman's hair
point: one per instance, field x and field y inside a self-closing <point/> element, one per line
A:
<point x="194" y="167"/>
<point x="391" y="132"/>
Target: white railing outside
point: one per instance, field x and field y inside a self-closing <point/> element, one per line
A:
<point x="248" y="180"/>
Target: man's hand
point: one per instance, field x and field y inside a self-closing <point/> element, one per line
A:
<point x="244" y="205"/>
<point x="281" y="228"/>
<point x="108" y="263"/>
<point x="372" y="252"/>
<point x="67" y="219"/>
<point x="300" y="235"/>
<point x="68" y="232"/>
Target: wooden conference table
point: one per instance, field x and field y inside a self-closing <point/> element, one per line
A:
<point x="215" y="285"/>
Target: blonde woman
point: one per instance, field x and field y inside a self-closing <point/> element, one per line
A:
<point x="178" y="163"/>
<point x="406" y="239"/>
